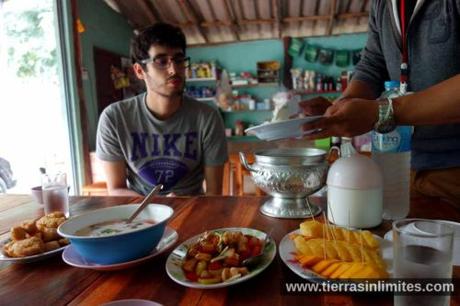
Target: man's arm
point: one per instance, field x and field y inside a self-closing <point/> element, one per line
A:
<point x="319" y="105"/>
<point x="358" y="89"/>
<point x="115" y="172"/>
<point x="438" y="104"/>
<point x="213" y="176"/>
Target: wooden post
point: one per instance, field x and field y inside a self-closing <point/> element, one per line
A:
<point x="81" y="96"/>
<point x="287" y="80"/>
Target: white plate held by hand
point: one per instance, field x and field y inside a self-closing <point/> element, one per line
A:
<point x="282" y="129"/>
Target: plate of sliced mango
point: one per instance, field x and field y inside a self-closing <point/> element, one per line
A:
<point x="318" y="251"/>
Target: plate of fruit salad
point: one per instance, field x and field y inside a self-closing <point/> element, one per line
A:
<point x="214" y="259"/>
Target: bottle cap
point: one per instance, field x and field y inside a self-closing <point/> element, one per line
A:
<point x="391" y="84"/>
<point x="355" y="172"/>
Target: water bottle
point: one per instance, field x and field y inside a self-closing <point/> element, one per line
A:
<point x="391" y="151"/>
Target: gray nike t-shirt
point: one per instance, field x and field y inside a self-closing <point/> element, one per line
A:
<point x="172" y="152"/>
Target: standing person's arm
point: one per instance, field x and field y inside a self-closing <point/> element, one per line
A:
<point x="319" y="105"/>
<point x="214" y="177"/>
<point x="439" y="104"/>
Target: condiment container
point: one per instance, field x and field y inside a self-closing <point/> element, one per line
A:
<point x="355" y="192"/>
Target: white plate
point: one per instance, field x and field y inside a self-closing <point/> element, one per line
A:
<point x="287" y="250"/>
<point x="456" y="247"/>
<point x="27" y="259"/>
<point x="281" y="129"/>
<point x="71" y="257"/>
<point x="176" y="258"/>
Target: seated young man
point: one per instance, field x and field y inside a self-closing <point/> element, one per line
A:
<point x="161" y="136"/>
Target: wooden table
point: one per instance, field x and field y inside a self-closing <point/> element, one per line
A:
<point x="52" y="282"/>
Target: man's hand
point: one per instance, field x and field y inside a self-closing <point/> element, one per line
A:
<point x="315" y="107"/>
<point x="347" y="117"/>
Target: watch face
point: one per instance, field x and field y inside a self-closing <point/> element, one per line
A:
<point x="386" y="121"/>
<point x="385" y="126"/>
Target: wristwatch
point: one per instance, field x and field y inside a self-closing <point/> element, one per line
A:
<point x="386" y="122"/>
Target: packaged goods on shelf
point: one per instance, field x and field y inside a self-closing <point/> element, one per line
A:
<point x="310" y="81"/>
<point x="202" y="70"/>
<point x="268" y="72"/>
<point x="200" y="91"/>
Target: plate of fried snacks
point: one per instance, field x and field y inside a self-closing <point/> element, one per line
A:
<point x="71" y="257"/>
<point x="214" y="259"/>
<point x="319" y="251"/>
<point x="34" y="240"/>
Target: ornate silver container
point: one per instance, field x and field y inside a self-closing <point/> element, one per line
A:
<point x="289" y="175"/>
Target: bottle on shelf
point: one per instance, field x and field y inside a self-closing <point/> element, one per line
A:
<point x="319" y="82"/>
<point x="239" y="128"/>
<point x="334" y="150"/>
<point x="392" y="153"/>
<point x="338" y="84"/>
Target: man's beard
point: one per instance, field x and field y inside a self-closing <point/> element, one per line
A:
<point x="157" y="88"/>
<point x="173" y="94"/>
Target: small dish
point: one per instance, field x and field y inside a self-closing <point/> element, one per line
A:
<point x="71" y="257"/>
<point x="27" y="259"/>
<point x="176" y="258"/>
<point x="281" y="129"/>
<point x="287" y="249"/>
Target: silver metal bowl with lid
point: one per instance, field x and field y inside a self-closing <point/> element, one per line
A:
<point x="289" y="175"/>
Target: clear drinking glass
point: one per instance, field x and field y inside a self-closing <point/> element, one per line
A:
<point x="55" y="193"/>
<point x="422" y="249"/>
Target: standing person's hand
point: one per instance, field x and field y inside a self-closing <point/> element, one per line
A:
<point x="314" y="107"/>
<point x="347" y="117"/>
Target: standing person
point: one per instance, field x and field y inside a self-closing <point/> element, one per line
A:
<point x="417" y="42"/>
<point x="161" y="136"/>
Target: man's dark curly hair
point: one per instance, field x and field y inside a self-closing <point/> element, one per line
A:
<point x="162" y="34"/>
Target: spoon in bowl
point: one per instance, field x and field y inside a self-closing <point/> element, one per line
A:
<point x="145" y="202"/>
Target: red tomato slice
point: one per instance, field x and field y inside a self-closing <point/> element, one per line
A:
<point x="191" y="276"/>
<point x="232" y="262"/>
<point x="253" y="241"/>
<point x="215" y="265"/>
<point x="256" y="250"/>
<point x="244" y="254"/>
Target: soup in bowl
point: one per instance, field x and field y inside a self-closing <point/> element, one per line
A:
<point x="103" y="236"/>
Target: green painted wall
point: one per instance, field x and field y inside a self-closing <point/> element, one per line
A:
<point x="104" y="29"/>
<point x="238" y="57"/>
<point x="338" y="42"/>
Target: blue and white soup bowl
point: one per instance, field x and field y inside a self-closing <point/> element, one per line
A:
<point x="117" y="247"/>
